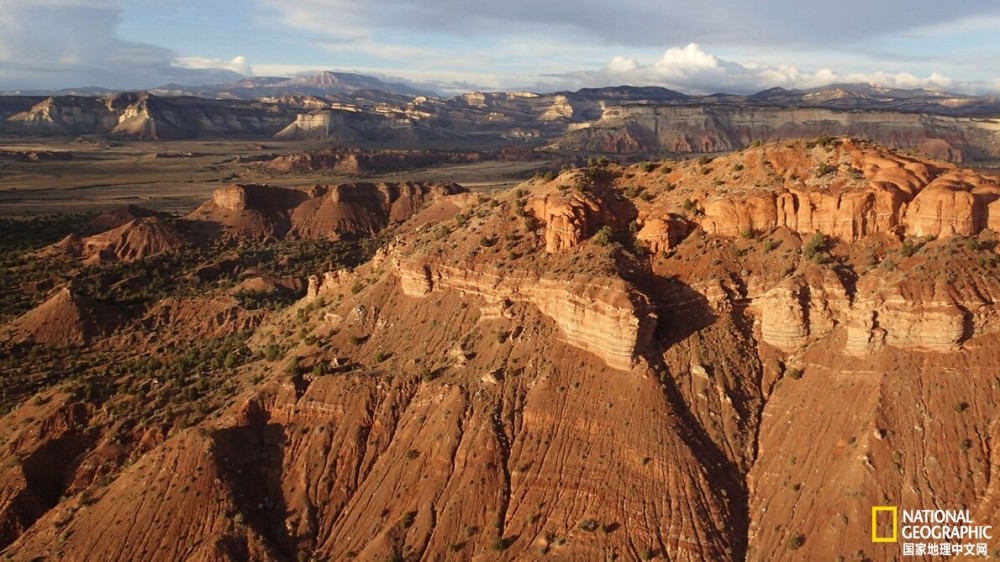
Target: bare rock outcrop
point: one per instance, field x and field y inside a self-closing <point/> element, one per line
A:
<point x="571" y="218"/>
<point x="331" y="211"/>
<point x="919" y="318"/>
<point x="361" y="209"/>
<point x="132" y="241"/>
<point x="610" y="319"/>
<point x="567" y="220"/>
<point x="66" y="318"/>
<point x="662" y="233"/>
<point x="863" y="192"/>
<point x="801" y="310"/>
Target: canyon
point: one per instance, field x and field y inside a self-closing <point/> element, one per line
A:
<point x="707" y="358"/>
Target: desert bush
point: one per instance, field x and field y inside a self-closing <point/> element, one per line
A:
<point x="815" y="248"/>
<point x="604" y="236"/>
<point x="823" y="169"/>
<point x="272" y="352"/>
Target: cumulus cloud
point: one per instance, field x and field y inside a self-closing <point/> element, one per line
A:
<point x="50" y="44"/>
<point x="691" y="69"/>
<point x="904" y="43"/>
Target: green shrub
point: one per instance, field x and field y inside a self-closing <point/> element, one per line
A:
<point x="815" y="248"/>
<point x="823" y="169"/>
<point x="530" y="224"/>
<point x="796" y="541"/>
<point x="604" y="236"/>
<point x="441" y="231"/>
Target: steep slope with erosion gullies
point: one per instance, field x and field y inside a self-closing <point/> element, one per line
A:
<point x="711" y="359"/>
<point x="331" y="211"/>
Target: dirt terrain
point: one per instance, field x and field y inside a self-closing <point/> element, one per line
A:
<point x="177" y="176"/>
<point x="728" y="358"/>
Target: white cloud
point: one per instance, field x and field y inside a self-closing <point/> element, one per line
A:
<point x="632" y="22"/>
<point x="691" y="69"/>
<point x="52" y="44"/>
<point x="238" y="64"/>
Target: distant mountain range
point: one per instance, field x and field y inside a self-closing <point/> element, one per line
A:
<point x="305" y="84"/>
<point x="326" y="83"/>
<point x="349" y="108"/>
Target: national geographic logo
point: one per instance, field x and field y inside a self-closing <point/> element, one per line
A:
<point x="885" y="523"/>
<point x="930" y="532"/>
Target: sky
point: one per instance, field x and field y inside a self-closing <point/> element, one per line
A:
<point x="450" y="46"/>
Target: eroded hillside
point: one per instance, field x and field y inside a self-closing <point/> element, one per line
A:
<point x="714" y="359"/>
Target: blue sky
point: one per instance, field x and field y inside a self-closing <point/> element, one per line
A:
<point x="453" y="45"/>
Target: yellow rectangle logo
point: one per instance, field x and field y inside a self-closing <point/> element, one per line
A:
<point x="884" y="509"/>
